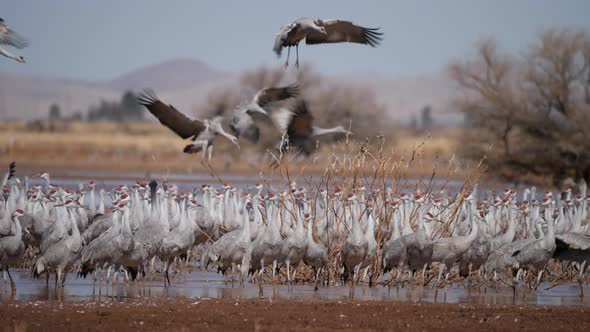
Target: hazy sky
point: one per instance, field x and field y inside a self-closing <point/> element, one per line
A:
<point x="90" y="40"/>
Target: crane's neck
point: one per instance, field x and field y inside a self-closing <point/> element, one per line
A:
<point x="473" y="222"/>
<point x="246" y="224"/>
<point x="17" y="227"/>
<point x="395" y="220"/>
<point x="101" y="203"/>
<point x="75" y="229"/>
<point x="317" y="131"/>
<point x="9" y="55"/>
<point x="92" y="202"/>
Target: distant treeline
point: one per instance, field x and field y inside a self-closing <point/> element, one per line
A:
<point x="126" y="109"/>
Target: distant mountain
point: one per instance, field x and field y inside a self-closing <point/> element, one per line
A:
<point x="25" y="97"/>
<point x="170" y="75"/>
<point x="187" y="84"/>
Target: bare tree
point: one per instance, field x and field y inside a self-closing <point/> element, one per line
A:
<point x="531" y="112"/>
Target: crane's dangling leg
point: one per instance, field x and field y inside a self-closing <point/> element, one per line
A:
<point x="288" y="52"/>
<point x="210" y="153"/>
<point x="297" y="51"/>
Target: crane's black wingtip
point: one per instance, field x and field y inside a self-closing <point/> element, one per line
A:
<point x="147" y="97"/>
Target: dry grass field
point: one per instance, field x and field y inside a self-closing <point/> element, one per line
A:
<point x="149" y="147"/>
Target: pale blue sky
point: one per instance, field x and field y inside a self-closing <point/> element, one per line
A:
<point x="90" y="40"/>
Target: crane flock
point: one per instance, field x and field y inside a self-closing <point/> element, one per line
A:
<point x="344" y="235"/>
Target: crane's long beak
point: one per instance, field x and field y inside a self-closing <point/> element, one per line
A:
<point x="237" y="145"/>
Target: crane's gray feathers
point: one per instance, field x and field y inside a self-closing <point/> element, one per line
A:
<point x="338" y="31"/>
<point x="9" y="37"/>
<point x="271" y="95"/>
<point x="170" y="116"/>
<point x="571" y="240"/>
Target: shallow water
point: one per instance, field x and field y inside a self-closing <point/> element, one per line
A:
<point x="210" y="285"/>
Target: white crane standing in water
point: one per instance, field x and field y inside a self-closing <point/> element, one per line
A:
<point x="136" y="230"/>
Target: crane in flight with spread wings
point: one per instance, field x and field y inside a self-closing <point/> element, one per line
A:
<point x="294" y="122"/>
<point x="11" y="38"/>
<point x="202" y="132"/>
<point x="318" y="31"/>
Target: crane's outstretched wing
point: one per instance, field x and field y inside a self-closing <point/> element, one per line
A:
<point x="301" y="120"/>
<point x="338" y="31"/>
<point x="9" y="37"/>
<point x="170" y="116"/>
<point x="271" y="95"/>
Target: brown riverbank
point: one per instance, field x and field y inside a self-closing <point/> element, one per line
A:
<point x="230" y="314"/>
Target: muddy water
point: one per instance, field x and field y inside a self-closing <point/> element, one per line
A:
<point x="209" y="285"/>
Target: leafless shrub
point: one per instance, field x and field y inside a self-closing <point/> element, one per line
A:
<point x="530" y="113"/>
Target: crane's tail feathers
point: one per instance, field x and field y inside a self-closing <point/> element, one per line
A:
<point x="38" y="269"/>
<point x="133" y="271"/>
<point x="85" y="270"/>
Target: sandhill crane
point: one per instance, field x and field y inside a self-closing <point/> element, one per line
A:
<point x="318" y="31"/>
<point x="294" y="123"/>
<point x="202" y="132"/>
<point x="537" y="253"/>
<point x="108" y="248"/>
<point x="61" y="255"/>
<point x="266" y="248"/>
<point x="574" y="247"/>
<point x="369" y="236"/>
<point x="242" y="123"/>
<point x="294" y="246"/>
<point x="178" y="241"/>
<point x="355" y="247"/>
<point x="12" y="247"/>
<point x="447" y="251"/>
<point x="316" y="253"/>
<point x="149" y="236"/>
<point x="229" y="250"/>
<point x="419" y="245"/>
<point x="9" y="37"/>
<point x="394" y="251"/>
